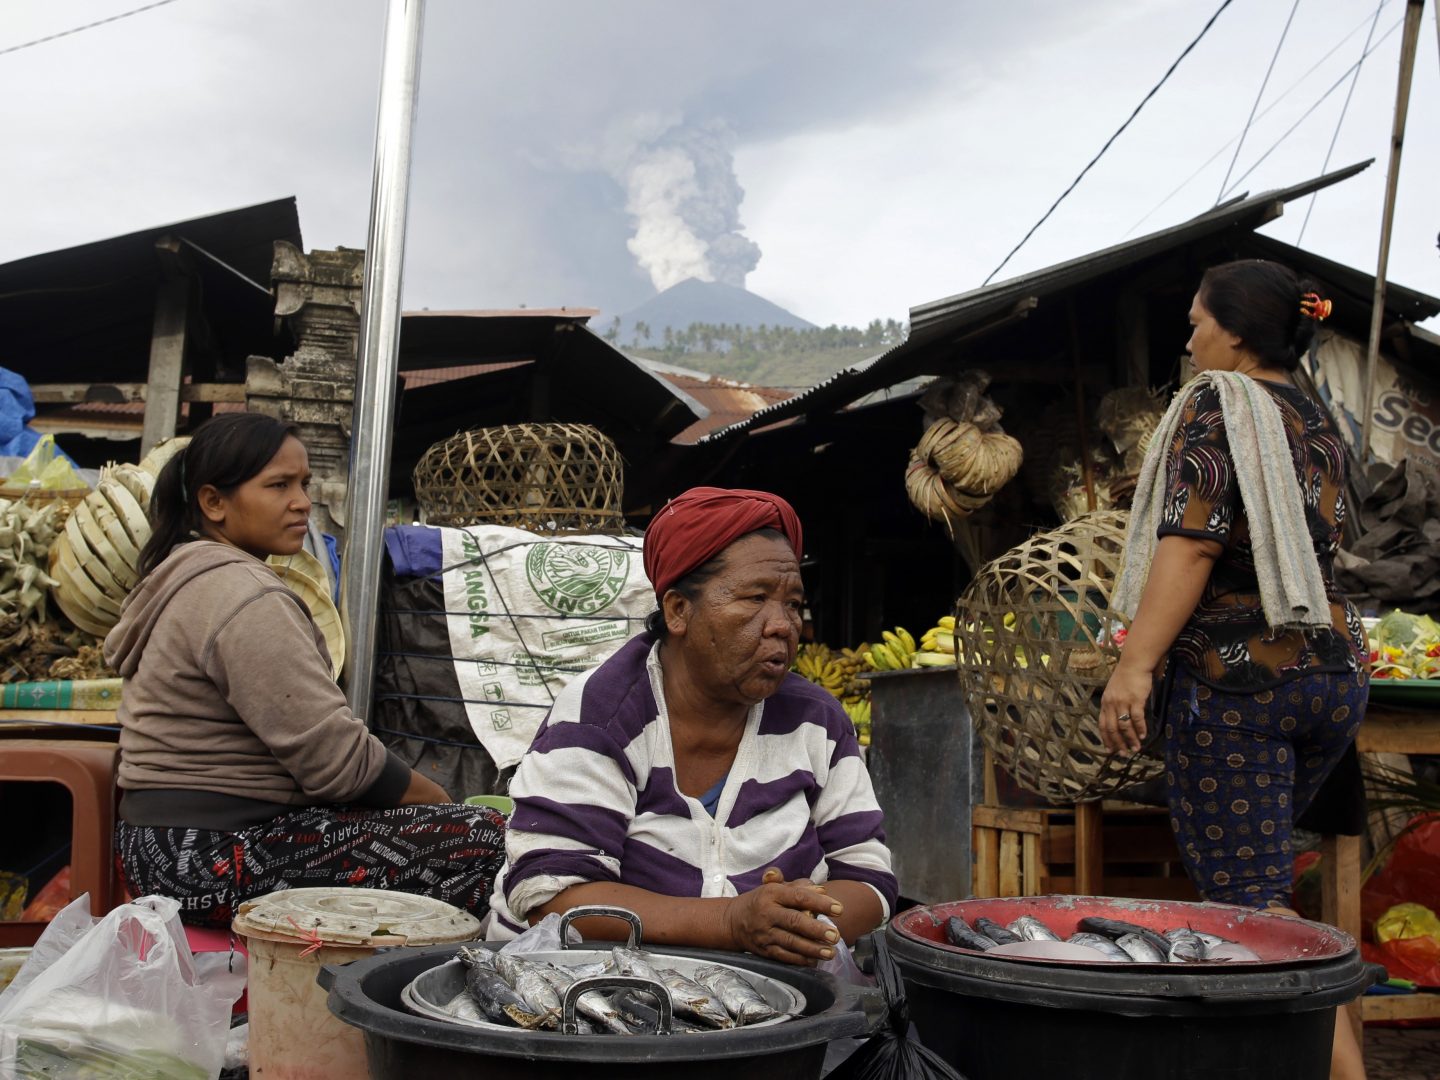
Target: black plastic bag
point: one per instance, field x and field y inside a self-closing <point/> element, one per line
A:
<point x="892" y="1053"/>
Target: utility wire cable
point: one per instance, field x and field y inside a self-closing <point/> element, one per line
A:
<point x="1143" y="101"/>
<point x="1291" y="129"/>
<point x="1335" y="135"/>
<point x="1263" y="83"/>
<point x="87" y="26"/>
<point x="1260" y="116"/>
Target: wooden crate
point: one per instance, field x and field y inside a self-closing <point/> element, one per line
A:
<point x="1108" y="850"/>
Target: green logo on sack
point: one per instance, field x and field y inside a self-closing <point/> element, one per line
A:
<point x="577" y="580"/>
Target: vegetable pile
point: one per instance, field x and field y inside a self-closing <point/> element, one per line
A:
<point x="1405" y="646"/>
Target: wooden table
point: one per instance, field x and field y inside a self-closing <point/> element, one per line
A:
<point x="64" y="722"/>
<point x="1387" y="730"/>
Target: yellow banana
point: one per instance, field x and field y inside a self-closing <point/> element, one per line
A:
<point x="934" y="659"/>
<point x="907" y="638"/>
<point x="883" y="658"/>
<point x="947" y="622"/>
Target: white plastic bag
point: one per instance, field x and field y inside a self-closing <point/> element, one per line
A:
<point x="544" y="936"/>
<point x="126" y="1000"/>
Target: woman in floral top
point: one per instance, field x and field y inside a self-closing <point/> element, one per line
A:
<point x="1254" y="718"/>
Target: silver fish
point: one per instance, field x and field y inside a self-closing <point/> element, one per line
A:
<point x="1032" y="929"/>
<point x="1185" y="946"/>
<point x="689" y="998"/>
<point x="498" y="1000"/>
<point x="529" y="983"/>
<point x="1100" y="943"/>
<point x="1140" y="949"/>
<point x="638" y="1009"/>
<point x="593" y="1005"/>
<point x="959" y="933"/>
<point x="635" y="963"/>
<point x="995" y="932"/>
<point x="741" y="1000"/>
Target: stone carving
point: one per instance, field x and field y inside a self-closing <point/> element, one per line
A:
<point x="314" y="387"/>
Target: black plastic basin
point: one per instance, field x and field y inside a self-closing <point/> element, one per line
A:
<point x="401" y="1046"/>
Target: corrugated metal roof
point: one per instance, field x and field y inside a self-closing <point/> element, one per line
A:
<point x="980" y="311"/>
<point x="86" y="312"/>
<point x="727" y="401"/>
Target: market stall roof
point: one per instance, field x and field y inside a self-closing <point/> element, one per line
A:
<point x="936" y="327"/>
<point x="87" y="312"/>
<point x="569" y="373"/>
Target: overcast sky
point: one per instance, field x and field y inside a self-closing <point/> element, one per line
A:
<point x="846" y="160"/>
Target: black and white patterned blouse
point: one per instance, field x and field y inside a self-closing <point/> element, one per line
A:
<point x="1226" y="642"/>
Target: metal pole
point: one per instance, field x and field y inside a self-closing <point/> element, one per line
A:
<point x="379" y="360"/>
<point x="1413" y="11"/>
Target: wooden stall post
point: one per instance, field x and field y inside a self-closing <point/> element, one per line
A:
<point x="167" y="347"/>
<point x="1089" y="849"/>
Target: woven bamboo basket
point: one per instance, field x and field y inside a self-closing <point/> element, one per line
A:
<point x="1033" y="662"/>
<point x="545" y="478"/>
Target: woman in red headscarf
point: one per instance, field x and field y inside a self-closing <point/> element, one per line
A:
<point x="691" y="777"/>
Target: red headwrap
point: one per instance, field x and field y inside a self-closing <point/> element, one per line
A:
<point x="696" y="526"/>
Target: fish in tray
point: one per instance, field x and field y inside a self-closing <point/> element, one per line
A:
<point x="638" y="1010"/>
<point x="1185" y="946"/>
<point x="1029" y="928"/>
<point x="1155" y="944"/>
<point x="958" y="932"/>
<point x="1142" y="950"/>
<point x="995" y="932"/>
<point x="499" y="1002"/>
<point x="531" y="984"/>
<point x="741" y="1000"/>
<point x="1101" y="944"/>
<point x="593" y="1005"/>
<point x="635" y="962"/>
<point x="691" y="1000"/>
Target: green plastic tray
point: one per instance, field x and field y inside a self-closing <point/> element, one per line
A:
<point x="1405" y="691"/>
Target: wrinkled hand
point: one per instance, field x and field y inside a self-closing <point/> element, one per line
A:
<point x="777" y="920"/>
<point x="1125" y="696"/>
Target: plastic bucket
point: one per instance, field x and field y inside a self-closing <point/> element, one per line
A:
<point x="401" y="1045"/>
<point x="290" y="936"/>
<point x="1008" y="1018"/>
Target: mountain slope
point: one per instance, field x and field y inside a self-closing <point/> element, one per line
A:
<point x="693" y="301"/>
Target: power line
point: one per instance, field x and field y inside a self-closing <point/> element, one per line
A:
<point x="1143" y="101"/>
<point x="1335" y="135"/>
<point x="1291" y="129"/>
<point x="87" y="26"/>
<point x="1261" y="115"/>
<point x="1263" y="83"/>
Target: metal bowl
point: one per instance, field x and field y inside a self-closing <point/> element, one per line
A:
<point x="431" y="992"/>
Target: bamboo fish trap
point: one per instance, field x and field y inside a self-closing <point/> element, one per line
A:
<point x="1033" y="660"/>
<point x="545" y="478"/>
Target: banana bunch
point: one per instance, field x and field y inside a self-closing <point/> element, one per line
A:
<point x="810" y="661"/>
<point x="894" y="653"/>
<point x="937" y="645"/>
<point x="859" y="713"/>
<point x="26" y="533"/>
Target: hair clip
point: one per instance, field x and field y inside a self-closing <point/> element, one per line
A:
<point x="1312" y="306"/>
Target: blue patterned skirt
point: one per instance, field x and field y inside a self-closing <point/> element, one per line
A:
<point x="1241" y="768"/>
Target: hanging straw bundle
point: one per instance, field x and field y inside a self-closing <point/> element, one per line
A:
<point x="956" y="469"/>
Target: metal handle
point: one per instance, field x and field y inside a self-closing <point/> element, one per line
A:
<point x="580" y="987"/>
<point x="595" y="911"/>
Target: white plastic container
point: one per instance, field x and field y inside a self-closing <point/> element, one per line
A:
<point x="290" y="935"/>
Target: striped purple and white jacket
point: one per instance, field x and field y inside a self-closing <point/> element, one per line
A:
<point x="595" y="798"/>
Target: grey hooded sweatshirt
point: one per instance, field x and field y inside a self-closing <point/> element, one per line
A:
<point x="230" y="715"/>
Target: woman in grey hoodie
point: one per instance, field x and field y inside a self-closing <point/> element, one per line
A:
<point x="242" y="768"/>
